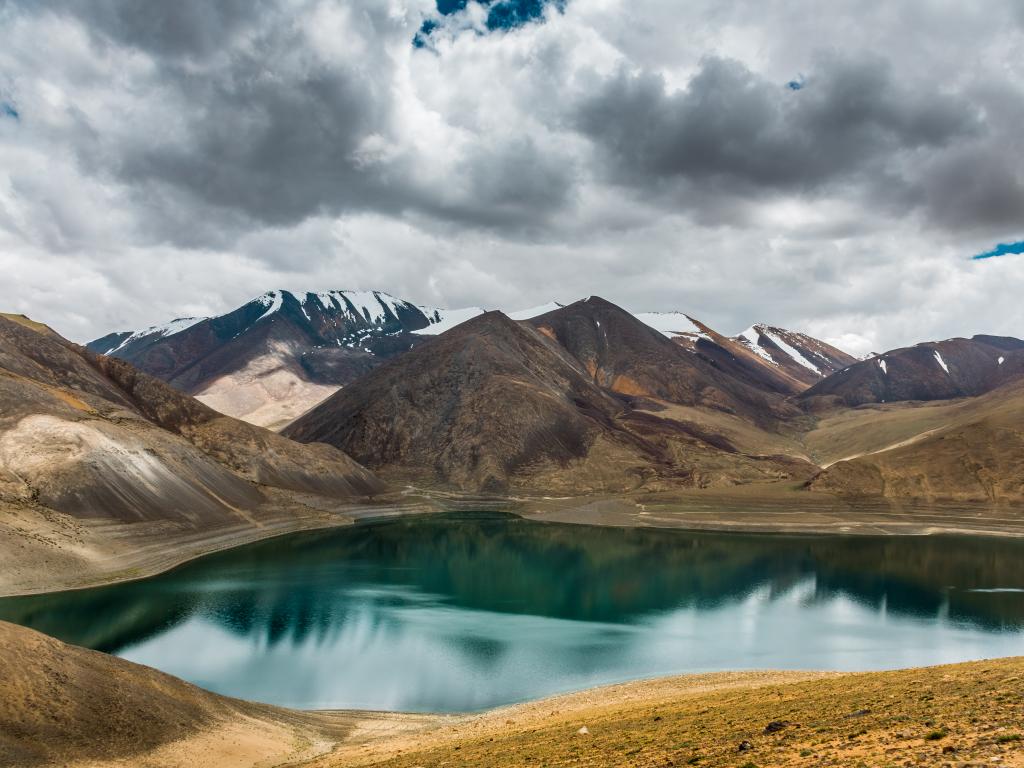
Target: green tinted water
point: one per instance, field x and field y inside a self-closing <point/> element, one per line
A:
<point x="463" y="612"/>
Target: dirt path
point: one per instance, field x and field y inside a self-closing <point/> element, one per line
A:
<point x="893" y="446"/>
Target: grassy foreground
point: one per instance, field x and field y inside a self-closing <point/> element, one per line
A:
<point x="66" y="706"/>
<point x="967" y="714"/>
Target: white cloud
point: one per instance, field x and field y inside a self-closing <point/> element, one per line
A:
<point x="156" y="171"/>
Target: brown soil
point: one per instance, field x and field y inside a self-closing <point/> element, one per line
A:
<point x="61" y="705"/>
<point x="967" y="714"/>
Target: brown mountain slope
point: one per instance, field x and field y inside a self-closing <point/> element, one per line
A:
<point x="626" y="356"/>
<point x="494" y="403"/>
<point x="91" y="436"/>
<point x="934" y="370"/>
<point x="89" y="441"/>
<point x="975" y="452"/>
<point x="63" y="705"/>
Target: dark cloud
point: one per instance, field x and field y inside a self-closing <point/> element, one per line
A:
<point x="264" y="130"/>
<point x="976" y="188"/>
<point x="731" y="131"/>
<point x="179" y="28"/>
<point x="828" y="168"/>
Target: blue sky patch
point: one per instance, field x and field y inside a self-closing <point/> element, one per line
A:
<point x="1003" y="249"/>
<point x="8" y="110"/>
<point x="501" y="14"/>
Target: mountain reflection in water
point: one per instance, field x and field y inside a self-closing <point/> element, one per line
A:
<point x="461" y="612"/>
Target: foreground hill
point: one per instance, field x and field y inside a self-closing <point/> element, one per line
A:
<point x="495" y="403"/>
<point x="934" y="370"/>
<point x="89" y="438"/>
<point x="62" y="705"/>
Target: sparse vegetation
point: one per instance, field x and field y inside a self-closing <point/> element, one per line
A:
<point x="705" y="728"/>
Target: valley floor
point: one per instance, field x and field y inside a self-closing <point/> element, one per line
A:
<point x="779" y="508"/>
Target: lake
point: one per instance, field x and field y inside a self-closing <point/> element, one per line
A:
<point x="466" y="611"/>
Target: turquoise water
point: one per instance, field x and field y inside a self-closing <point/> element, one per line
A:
<point x="463" y="612"/>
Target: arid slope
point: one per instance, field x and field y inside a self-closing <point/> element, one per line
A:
<point x="495" y="404"/>
<point x="87" y="441"/>
<point x="63" y="705"/>
<point x="973" y="451"/>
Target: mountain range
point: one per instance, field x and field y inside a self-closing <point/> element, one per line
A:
<point x="370" y="392"/>
<point x="278" y="355"/>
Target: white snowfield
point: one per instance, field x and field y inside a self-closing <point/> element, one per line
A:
<point x="442" y="320"/>
<point x="670" y="324"/>
<point x="883" y="366"/>
<point x="368" y="306"/>
<point x="167" y="329"/>
<point x="792" y="352"/>
<point x="941" y="362"/>
<point x="752" y="338"/>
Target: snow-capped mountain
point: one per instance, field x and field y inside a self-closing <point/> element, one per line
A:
<point x="801" y="356"/>
<point x="277" y="355"/>
<point x="284" y="351"/>
<point x="931" y="370"/>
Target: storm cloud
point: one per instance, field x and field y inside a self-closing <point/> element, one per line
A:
<point x="160" y="159"/>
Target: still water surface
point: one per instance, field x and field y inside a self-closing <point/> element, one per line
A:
<point x="462" y="612"/>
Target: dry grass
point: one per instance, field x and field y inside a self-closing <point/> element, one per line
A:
<point x="954" y="715"/>
<point x="29" y="323"/>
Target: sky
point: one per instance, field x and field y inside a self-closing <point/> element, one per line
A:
<point x="853" y="170"/>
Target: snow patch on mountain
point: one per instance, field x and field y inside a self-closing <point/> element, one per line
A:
<point x="543" y="309"/>
<point x="941" y="362"/>
<point x="372" y="307"/>
<point x="792" y="352"/>
<point x="442" y="320"/>
<point x="752" y="338"/>
<point x="167" y="329"/>
<point x="671" y="324"/>
<point x="272" y="300"/>
<point x="884" y="367"/>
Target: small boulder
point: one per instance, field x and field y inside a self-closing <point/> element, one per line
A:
<point x="744" y="746"/>
<point x="584" y="731"/>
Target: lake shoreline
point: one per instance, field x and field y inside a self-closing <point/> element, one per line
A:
<point x="144" y="551"/>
